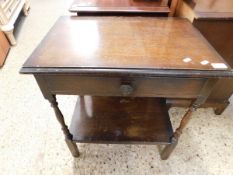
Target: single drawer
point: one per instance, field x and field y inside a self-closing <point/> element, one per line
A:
<point x="117" y="86"/>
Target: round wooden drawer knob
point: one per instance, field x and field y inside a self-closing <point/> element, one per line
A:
<point x="126" y="89"/>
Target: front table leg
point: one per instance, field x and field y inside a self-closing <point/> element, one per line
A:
<point x="202" y="97"/>
<point x="68" y="136"/>
<point x="169" y="148"/>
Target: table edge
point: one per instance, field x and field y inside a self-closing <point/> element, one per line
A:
<point x="131" y="72"/>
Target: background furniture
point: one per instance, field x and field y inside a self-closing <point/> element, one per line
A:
<point x="124" y="7"/>
<point x="4" y="48"/>
<point x="9" y="12"/>
<point x="122" y="96"/>
<point x="214" y="19"/>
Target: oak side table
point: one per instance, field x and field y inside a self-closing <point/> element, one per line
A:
<point x="122" y="70"/>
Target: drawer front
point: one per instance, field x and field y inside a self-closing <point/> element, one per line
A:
<point x="135" y="87"/>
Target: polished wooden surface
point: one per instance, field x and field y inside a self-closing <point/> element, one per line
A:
<point x="128" y="67"/>
<point x="120" y="42"/>
<point x="4" y="48"/>
<point x="121" y="120"/>
<point x="124" y="6"/>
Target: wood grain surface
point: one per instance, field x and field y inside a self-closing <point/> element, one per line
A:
<point x="121" y="42"/>
<point x="121" y="120"/>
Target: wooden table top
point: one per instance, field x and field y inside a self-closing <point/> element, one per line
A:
<point x="124" y="43"/>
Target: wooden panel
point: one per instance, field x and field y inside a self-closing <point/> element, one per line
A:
<point x="118" y="42"/>
<point x="142" y="87"/>
<point x="121" y="120"/>
<point x="4" y="48"/>
<point x="139" y="11"/>
<point x="220" y="34"/>
<point x="120" y="3"/>
<point x="114" y="7"/>
<point x="124" y="7"/>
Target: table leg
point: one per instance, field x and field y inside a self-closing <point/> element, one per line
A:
<point x="68" y="136"/>
<point x="169" y="148"/>
<point x="202" y="97"/>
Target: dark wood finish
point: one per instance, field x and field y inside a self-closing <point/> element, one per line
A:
<point x="68" y="136"/>
<point x="121" y="120"/>
<point x="4" y="48"/>
<point x="217" y="32"/>
<point x="166" y="152"/>
<point x="141" y="87"/>
<point x="214" y="19"/>
<point x="218" y="105"/>
<point x="202" y="97"/>
<point x="102" y="67"/>
<point x="94" y="43"/>
<point x="115" y="7"/>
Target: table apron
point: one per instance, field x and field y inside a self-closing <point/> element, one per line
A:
<point x="111" y="86"/>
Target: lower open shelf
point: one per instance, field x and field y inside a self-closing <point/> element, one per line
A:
<point x="121" y="120"/>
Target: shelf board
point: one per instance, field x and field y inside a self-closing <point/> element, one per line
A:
<point x="86" y="7"/>
<point x="121" y="120"/>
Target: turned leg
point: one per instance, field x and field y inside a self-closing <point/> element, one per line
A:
<point x="169" y="148"/>
<point x="68" y="136"/>
<point x="10" y="36"/>
<point x="26" y="8"/>
<point x="202" y="97"/>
